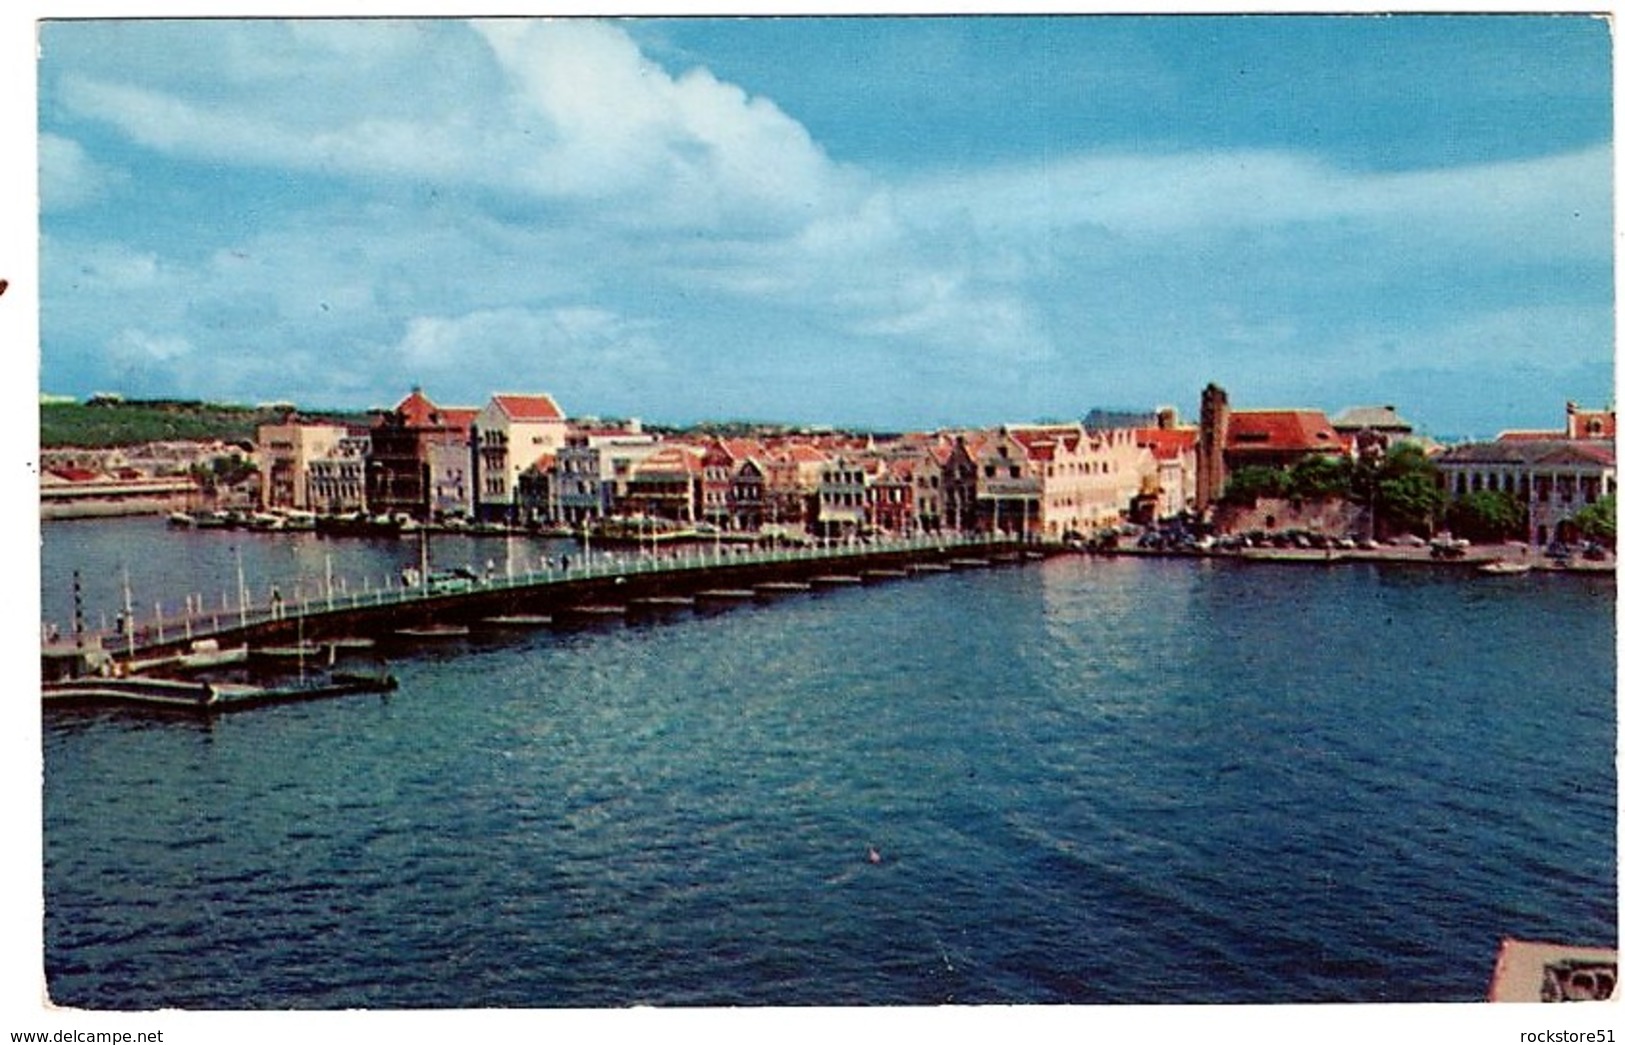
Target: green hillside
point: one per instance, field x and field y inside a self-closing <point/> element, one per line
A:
<point x="147" y="421"/>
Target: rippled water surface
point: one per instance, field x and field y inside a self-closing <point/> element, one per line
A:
<point x="1086" y="781"/>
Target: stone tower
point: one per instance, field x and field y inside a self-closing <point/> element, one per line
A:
<point x="1210" y="440"/>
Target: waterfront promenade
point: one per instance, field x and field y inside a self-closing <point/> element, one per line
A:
<point x="592" y="584"/>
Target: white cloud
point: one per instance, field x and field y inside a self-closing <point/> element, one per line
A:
<point x="1549" y="206"/>
<point x="567" y="347"/>
<point x="598" y="217"/>
<point x="68" y="177"/>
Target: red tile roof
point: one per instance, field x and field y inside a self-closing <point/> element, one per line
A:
<point x="1528" y="436"/>
<point x="529" y="407"/>
<point x="416" y="410"/>
<point x="419" y="411"/>
<point x="671" y="458"/>
<point x="1166" y="444"/>
<point x="1282" y="431"/>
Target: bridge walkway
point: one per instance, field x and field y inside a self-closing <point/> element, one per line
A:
<point x="334" y="613"/>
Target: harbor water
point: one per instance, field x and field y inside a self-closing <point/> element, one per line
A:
<point x="1082" y="781"/>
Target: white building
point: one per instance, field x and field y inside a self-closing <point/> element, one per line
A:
<point x="509" y="435"/>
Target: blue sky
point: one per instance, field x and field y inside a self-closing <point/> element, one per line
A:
<point x="884" y="222"/>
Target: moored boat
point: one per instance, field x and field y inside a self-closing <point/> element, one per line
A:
<point x="1505" y="566"/>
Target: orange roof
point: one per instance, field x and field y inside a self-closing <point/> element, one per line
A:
<point x="529" y="407"/>
<point x="1166" y="444"/>
<point x="743" y="448"/>
<point x="801" y="453"/>
<point x="416" y="410"/>
<point x="671" y="458"/>
<point x="1282" y="431"/>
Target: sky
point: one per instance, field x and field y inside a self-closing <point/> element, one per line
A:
<point x="884" y="222"/>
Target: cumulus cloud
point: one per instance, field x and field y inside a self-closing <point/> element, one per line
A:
<point x="538" y="203"/>
<point x="586" y="355"/>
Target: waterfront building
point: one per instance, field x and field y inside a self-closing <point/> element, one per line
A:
<point x="69" y="493"/>
<point x="959" y="482"/>
<point x="338" y="481"/>
<point x="791" y="472"/>
<point x="1066" y="479"/>
<point x="1173" y="453"/>
<point x="508" y="435"/>
<point x="666" y="484"/>
<point x="1230" y="439"/>
<point x="747" y="495"/>
<point x="891" y="496"/>
<point x="1553" y="474"/>
<point x="723" y="458"/>
<point x="844" y="497"/>
<point x="286" y="452"/>
<point x="1009" y="488"/>
<point x="419" y="461"/>
<point x="593" y="468"/>
<point x="536" y="498"/>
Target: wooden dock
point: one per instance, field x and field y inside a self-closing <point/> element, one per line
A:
<point x="206" y="697"/>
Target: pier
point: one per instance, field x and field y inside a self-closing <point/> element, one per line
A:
<point x="597" y="587"/>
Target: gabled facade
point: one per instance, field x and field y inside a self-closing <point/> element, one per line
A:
<point x="959" y="482"/>
<point x="509" y="434"/>
<point x="747" y="496"/>
<point x="419" y="460"/>
<point x="1009" y="488"/>
<point x="891" y="497"/>
<point x="1173" y="453"/>
<point x="723" y="458"/>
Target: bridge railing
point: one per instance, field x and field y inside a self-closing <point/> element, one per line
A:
<point x="194" y="622"/>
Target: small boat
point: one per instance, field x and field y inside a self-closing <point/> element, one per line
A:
<point x="1504" y="566"/>
<point x="206" y="653"/>
<point x="217" y="520"/>
<point x="518" y="620"/>
<point x="297" y="519"/>
<point x="285" y="652"/>
<point x="433" y="631"/>
<point x="181" y="520"/>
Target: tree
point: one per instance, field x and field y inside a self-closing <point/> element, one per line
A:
<point x="1320" y="477"/>
<point x="1487" y="515"/>
<point x="1402" y="489"/>
<point x="1596" y="522"/>
<point x="1250" y="482"/>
